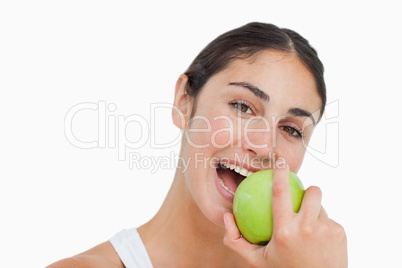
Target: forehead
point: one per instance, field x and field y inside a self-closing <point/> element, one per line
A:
<point x="283" y="76"/>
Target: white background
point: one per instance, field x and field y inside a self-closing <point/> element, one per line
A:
<point x="57" y="200"/>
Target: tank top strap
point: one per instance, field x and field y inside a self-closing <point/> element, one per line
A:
<point x="130" y="248"/>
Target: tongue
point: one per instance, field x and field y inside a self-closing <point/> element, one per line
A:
<point x="230" y="178"/>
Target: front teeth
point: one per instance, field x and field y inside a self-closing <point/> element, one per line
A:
<point x="244" y="172"/>
<point x="238" y="169"/>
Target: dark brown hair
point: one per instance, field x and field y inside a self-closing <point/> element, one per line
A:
<point x="243" y="43"/>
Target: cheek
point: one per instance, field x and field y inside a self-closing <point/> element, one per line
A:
<point x="223" y="132"/>
<point x="198" y="135"/>
<point x="292" y="151"/>
<point x="217" y="132"/>
<point x="295" y="161"/>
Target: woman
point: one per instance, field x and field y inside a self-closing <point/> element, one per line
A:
<point x="249" y="101"/>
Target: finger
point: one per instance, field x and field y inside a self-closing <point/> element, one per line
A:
<point x="311" y="204"/>
<point x="323" y="214"/>
<point x="282" y="206"/>
<point x="235" y="241"/>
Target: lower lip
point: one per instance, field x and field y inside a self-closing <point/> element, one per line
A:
<point x="228" y="196"/>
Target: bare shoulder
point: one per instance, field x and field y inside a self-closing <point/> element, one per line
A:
<point x="102" y="255"/>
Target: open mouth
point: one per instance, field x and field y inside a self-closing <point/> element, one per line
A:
<point x="231" y="175"/>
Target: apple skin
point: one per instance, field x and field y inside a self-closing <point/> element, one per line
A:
<point x="252" y="205"/>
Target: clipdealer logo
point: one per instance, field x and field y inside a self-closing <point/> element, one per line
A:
<point x="113" y="132"/>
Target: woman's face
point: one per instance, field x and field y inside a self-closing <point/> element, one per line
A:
<point x="247" y="116"/>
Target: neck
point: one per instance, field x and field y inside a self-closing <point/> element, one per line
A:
<point x="181" y="236"/>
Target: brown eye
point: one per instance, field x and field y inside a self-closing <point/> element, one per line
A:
<point x="292" y="131"/>
<point x="242" y="107"/>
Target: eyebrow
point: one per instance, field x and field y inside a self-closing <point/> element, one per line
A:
<point x="265" y="97"/>
<point x="301" y="112"/>
<point x="255" y="90"/>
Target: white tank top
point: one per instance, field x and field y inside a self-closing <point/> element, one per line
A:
<point x="131" y="249"/>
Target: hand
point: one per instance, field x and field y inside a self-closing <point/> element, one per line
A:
<point x="305" y="239"/>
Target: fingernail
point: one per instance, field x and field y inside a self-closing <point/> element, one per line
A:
<point x="280" y="163"/>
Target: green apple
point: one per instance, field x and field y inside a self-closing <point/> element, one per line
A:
<point x="252" y="205"/>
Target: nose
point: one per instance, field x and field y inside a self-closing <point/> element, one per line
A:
<point x="258" y="139"/>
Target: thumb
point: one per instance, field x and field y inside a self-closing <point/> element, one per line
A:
<point x="236" y="242"/>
